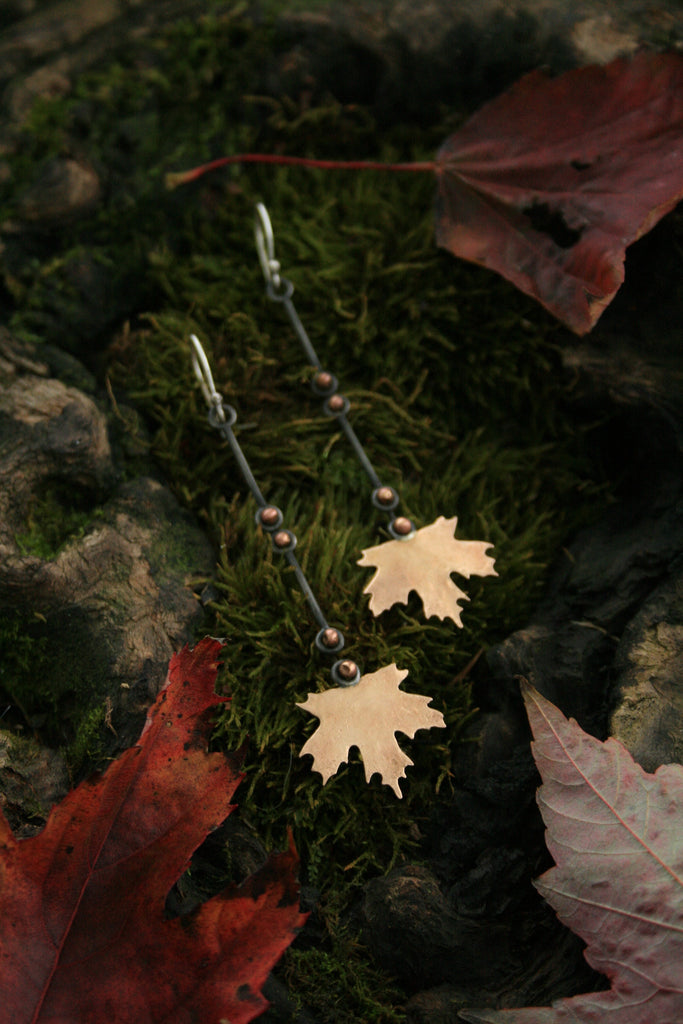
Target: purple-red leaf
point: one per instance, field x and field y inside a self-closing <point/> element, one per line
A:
<point x="550" y="182"/>
<point x="616" y="835"/>
<point x="83" y="936"/>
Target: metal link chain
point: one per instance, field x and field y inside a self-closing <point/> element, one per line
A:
<point x="222" y="418"/>
<point x="325" y="384"/>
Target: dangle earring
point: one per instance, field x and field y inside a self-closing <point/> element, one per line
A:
<point x="360" y="710"/>
<point x="420" y="560"/>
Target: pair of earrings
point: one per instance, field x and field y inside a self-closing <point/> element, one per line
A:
<point x="361" y="710"/>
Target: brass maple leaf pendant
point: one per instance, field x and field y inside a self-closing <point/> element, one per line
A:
<point x="366" y="716"/>
<point x="424" y="562"/>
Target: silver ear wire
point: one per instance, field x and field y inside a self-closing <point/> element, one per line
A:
<point x="200" y="365"/>
<point x="265" y="246"/>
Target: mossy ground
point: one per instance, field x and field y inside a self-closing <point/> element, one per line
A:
<point x="58" y="517"/>
<point x="455" y="389"/>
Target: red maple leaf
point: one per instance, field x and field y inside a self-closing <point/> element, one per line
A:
<point x="616" y="835"/>
<point x="550" y="182"/>
<point x="83" y="937"/>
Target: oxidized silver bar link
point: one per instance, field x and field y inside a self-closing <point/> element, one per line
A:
<point x="222" y="418"/>
<point x="324" y="384"/>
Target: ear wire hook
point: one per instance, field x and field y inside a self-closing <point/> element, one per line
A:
<point x="202" y="369"/>
<point x="265" y="246"/>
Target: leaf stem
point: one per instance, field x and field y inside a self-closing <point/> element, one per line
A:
<point x="184" y="177"/>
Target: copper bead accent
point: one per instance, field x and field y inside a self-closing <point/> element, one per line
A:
<point x="402" y="525"/>
<point x="347" y="669"/>
<point x="323" y="380"/>
<point x="269" y="515"/>
<point x="336" y="403"/>
<point x="385" y="495"/>
<point x="330" y="637"/>
<point x="282" y="539"/>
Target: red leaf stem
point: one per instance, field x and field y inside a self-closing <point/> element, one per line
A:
<point x="184" y="177"/>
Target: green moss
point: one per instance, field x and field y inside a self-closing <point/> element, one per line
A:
<point x="342" y="985"/>
<point x="56" y="701"/>
<point x="86" y="745"/>
<point x="455" y="388"/>
<point x="456" y="391"/>
<point x="23" y="656"/>
<point x="60" y="514"/>
<point x="60" y="699"/>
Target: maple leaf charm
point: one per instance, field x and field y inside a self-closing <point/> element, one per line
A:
<point x="366" y="716"/>
<point x="424" y="562"/>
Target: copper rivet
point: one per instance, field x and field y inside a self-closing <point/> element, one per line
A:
<point x="330" y="637"/>
<point x="282" y="539"/>
<point x="336" y="403"/>
<point x="269" y="516"/>
<point x="347" y="669"/>
<point x="385" y="495"/>
<point x="402" y="525"/>
<point x="323" y="380"/>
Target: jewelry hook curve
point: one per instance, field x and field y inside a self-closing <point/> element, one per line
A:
<point x="202" y="370"/>
<point x="265" y="246"/>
